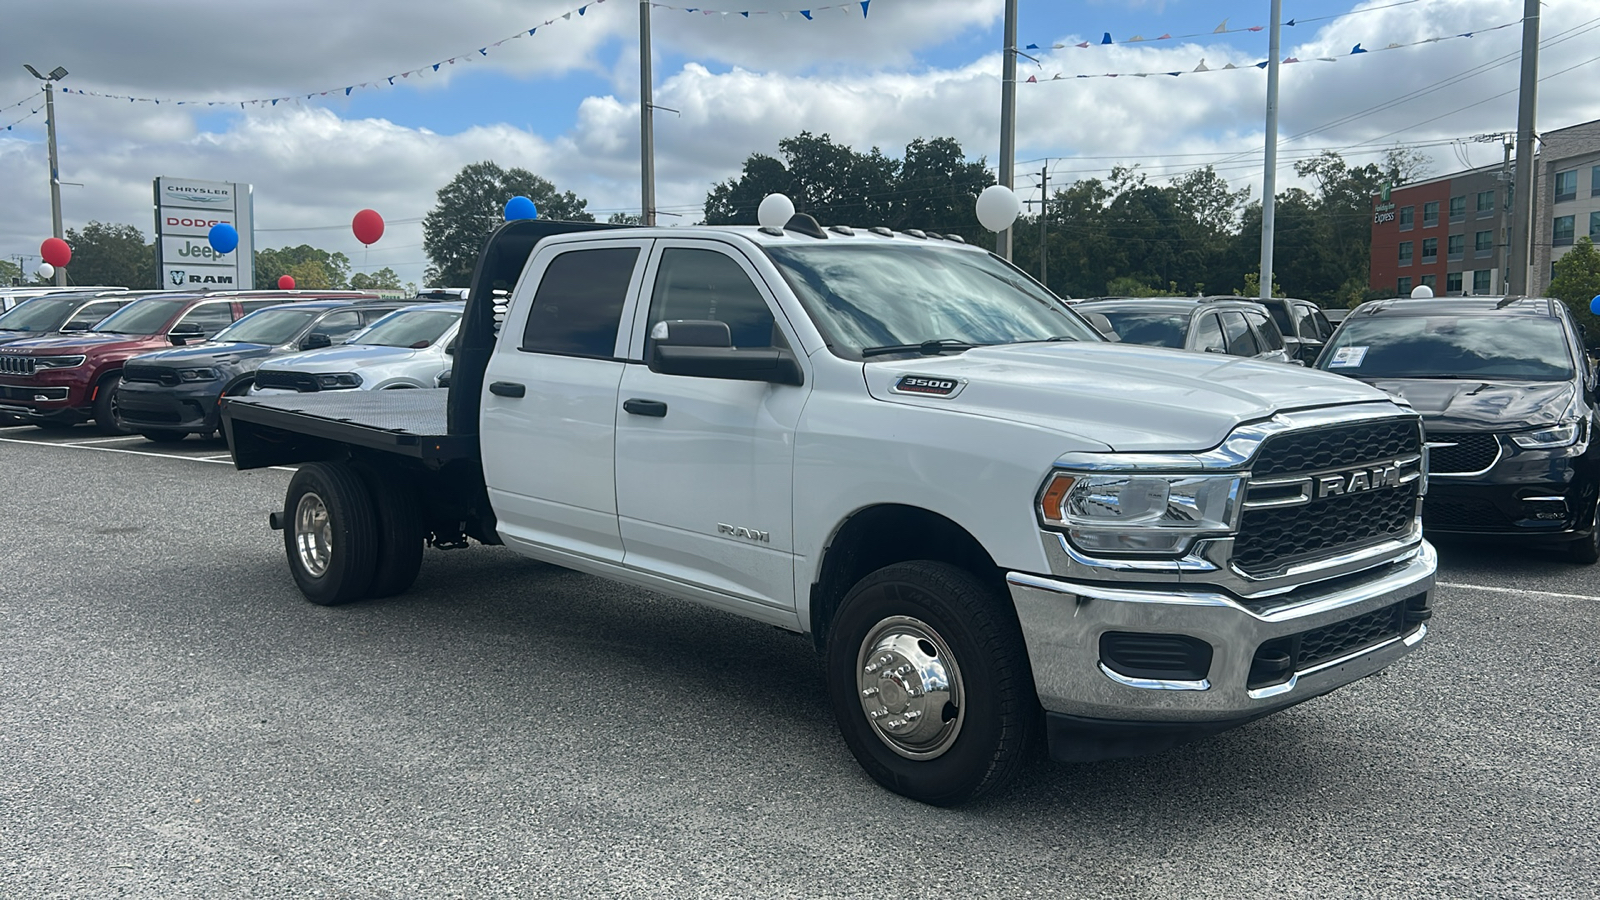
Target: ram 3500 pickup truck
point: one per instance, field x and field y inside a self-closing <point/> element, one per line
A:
<point x="989" y="519"/>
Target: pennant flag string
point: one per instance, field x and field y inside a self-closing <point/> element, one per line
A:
<point x="21" y="120"/>
<point x="22" y="101"/>
<point x="808" y="13"/>
<point x="1202" y="67"/>
<point x="1106" y="39"/>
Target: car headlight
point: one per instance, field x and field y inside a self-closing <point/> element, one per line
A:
<point x="1562" y="435"/>
<point x="57" y="362"/>
<point x="197" y="375"/>
<point x="339" y="381"/>
<point x="1139" y="513"/>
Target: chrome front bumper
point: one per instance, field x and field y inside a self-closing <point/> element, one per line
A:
<point x="1062" y="622"/>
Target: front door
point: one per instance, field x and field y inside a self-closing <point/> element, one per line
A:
<point x="550" y="401"/>
<point x="705" y="465"/>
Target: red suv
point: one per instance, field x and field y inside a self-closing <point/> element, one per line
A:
<point x="59" y="381"/>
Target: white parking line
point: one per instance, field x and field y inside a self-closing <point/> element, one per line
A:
<point x="1505" y="590"/>
<point x="109" y="440"/>
<point x="223" y="460"/>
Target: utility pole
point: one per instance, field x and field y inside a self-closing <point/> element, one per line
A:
<point x="1008" y="118"/>
<point x="1044" y="219"/>
<point x="1516" y="279"/>
<point x="55" y="75"/>
<point x="647" y="135"/>
<point x="1505" y="224"/>
<point x="1269" y="180"/>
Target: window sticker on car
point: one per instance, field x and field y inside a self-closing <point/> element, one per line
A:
<point x="1347" y="358"/>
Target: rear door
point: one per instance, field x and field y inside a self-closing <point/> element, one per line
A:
<point x="549" y="408"/>
<point x="1241" y="339"/>
<point x="1268" y="338"/>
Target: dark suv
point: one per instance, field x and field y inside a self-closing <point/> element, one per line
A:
<point x="1228" y="325"/>
<point x="170" y="394"/>
<point x="1305" y="328"/>
<point x="1507" y="400"/>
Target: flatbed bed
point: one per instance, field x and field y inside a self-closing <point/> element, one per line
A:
<point x="279" y="429"/>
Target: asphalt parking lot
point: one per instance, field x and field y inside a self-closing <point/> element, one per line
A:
<point x="176" y="721"/>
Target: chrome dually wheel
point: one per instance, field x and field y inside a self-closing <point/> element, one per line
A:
<point x="911" y="687"/>
<point x="330" y="532"/>
<point x="313" y="534"/>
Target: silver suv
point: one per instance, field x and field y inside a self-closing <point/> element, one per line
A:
<point x="1202" y="324"/>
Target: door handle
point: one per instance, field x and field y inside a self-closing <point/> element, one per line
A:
<point x="507" y="389"/>
<point x="639" y="407"/>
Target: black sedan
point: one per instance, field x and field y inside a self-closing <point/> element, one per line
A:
<point x="1507" y="398"/>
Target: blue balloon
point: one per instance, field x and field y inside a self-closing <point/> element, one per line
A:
<point x="223" y="237"/>
<point x="520" y="208"/>
<point x="1594" y="305"/>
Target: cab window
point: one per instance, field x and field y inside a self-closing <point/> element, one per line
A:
<point x="90" y="314"/>
<point x="705" y="285"/>
<point x="211" y="317"/>
<point x="1268" y="335"/>
<point x="579" y="303"/>
<point x="1208" y="334"/>
<point x="338" y="325"/>
<point x="1237" y="331"/>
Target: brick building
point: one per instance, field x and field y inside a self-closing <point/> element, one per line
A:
<point x="1448" y="233"/>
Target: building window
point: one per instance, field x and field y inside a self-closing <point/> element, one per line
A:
<point x="1430" y="281"/>
<point x="1452" y="283"/>
<point x="1408" y="218"/>
<point x="1430" y="214"/>
<point x="1430" y="250"/>
<point x="1480" y="281"/>
<point x="1483" y="243"/>
<point x="1594" y="227"/>
<point x="1566" y="185"/>
<point x="1403" y="287"/>
<point x="1457" y="246"/>
<point x="1405" y="252"/>
<point x="1485" y="202"/>
<point x="1562" y="235"/>
<point x="1594" y="182"/>
<point x="1458" y="208"/>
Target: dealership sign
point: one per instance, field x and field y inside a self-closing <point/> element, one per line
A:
<point x="186" y="211"/>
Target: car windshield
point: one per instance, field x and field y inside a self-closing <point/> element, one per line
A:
<point x="39" y="314"/>
<point x="267" y="326"/>
<point x="1157" y="329"/>
<point x="1451" y="346"/>
<point x="409" y="328"/>
<point x="867" y="296"/>
<point x="145" y="316"/>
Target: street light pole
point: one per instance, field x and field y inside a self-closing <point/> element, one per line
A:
<point x="1008" y="118"/>
<point x="1269" y="175"/>
<point x="55" y="75"/>
<point x="647" y="135"/>
<point x="1516" y="279"/>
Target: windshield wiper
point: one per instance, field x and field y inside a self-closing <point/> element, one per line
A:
<point x="926" y="348"/>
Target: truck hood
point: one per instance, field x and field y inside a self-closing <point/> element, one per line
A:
<point x="210" y="353"/>
<point x="86" y="343"/>
<point x="1126" y="397"/>
<point x="1453" y="404"/>
<point x="342" y="358"/>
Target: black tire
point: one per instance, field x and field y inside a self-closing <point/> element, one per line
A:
<point x="54" y="424"/>
<point x="1586" y="551"/>
<point x="400" y="532"/>
<point x="164" y="437"/>
<point x="105" y="408"/>
<point x="988" y="720"/>
<point x="348" y="548"/>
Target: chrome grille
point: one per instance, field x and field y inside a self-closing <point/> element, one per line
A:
<point x="1461" y="454"/>
<point x="16" y="364"/>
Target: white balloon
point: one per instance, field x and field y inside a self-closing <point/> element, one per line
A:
<point x="998" y="207"/>
<point x="775" y="211"/>
<point x="1422" y="292"/>
<point x="46" y="270"/>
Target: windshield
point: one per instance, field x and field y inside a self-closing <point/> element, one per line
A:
<point x="268" y="326"/>
<point x="864" y="295"/>
<point x="1455" y="346"/>
<point x="1156" y="329"/>
<point x="39" y="314"/>
<point x="146" y="316"/>
<point x="408" y="328"/>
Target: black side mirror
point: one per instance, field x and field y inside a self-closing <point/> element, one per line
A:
<point x="450" y="348"/>
<point x="316" y="340"/>
<point x="184" y="332"/>
<point x="74" y="326"/>
<point x="703" y="349"/>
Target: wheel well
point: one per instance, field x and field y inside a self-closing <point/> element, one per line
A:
<point x="879" y="536"/>
<point x="102" y="378"/>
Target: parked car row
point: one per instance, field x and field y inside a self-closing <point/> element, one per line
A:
<point x="110" y="358"/>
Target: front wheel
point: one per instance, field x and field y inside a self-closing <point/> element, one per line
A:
<point x="105" y="408"/>
<point x="164" y="437"/>
<point x="330" y="533"/>
<point x="1586" y="551"/>
<point x="930" y="683"/>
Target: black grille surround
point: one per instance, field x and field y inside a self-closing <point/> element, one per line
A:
<point x="1337" y="447"/>
<point x="1461" y="454"/>
<point x="303" y="382"/>
<point x="147" y="374"/>
<point x="1297" y="653"/>
<point x="1463" y="513"/>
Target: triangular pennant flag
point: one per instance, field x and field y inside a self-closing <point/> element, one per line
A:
<point x="1202" y="67"/>
<point x="1134" y="38"/>
<point x="582" y="10"/>
<point x="1327" y="59"/>
<point x="1057" y="46"/>
<point x="1290" y="60"/>
<point x="1290" y="23"/>
<point x="806" y="13"/>
<point x="1465" y="34"/>
<point x="1032" y="79"/>
<point x="1031" y="47"/>
<point x="483" y="51"/>
<point x="1356" y="49"/>
<point x="1106" y="39"/>
<point x="436" y="66"/>
<point x="1263" y="64"/>
<point x="1165" y="37"/>
<point x="1230" y="66"/>
<point x="747" y="15"/>
<point x="348" y="90"/>
<point x="1084" y="44"/>
<point x="1254" y="28"/>
<point x="864" y="5"/>
<point x="531" y="31"/>
<point x="1057" y="78"/>
<point x="391" y="81"/>
<point x="1392" y="47"/>
<point x="274" y="103"/>
<point x="1174" y="74"/>
<point x="1221" y="29"/>
<point x="785" y="17"/>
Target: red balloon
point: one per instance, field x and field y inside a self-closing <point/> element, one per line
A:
<point x="56" y="252"/>
<point x="368" y="226"/>
<point x="285" y="282"/>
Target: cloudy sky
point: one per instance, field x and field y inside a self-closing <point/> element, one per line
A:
<point x="563" y="102"/>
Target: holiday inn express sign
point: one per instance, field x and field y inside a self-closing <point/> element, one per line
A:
<point x="186" y="211"/>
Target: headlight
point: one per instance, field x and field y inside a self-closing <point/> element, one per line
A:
<point x="57" y="362"/>
<point x="339" y="381"/>
<point x="1563" y="435"/>
<point x="197" y="375"/>
<point x="1139" y="513"/>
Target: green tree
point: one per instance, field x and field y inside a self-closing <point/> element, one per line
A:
<point x="1577" y="283"/>
<point x="385" y="279"/>
<point x="112" y="255"/>
<point x="473" y="204"/>
<point x="10" y="272"/>
<point x="622" y="218"/>
<point x="309" y="266"/>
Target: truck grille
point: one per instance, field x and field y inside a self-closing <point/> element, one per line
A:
<point x="13" y="364"/>
<point x="1309" y="649"/>
<point x="150" y="374"/>
<point x="303" y="382"/>
<point x="1459" y="454"/>
<point x="1272" y="539"/>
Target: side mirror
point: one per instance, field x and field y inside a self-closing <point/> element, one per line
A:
<point x="1103" y="325"/>
<point x="316" y="340"/>
<point x="703" y="349"/>
<point x="74" y="326"/>
<point x="692" y="333"/>
<point x="450" y="348"/>
<point x="184" y="332"/>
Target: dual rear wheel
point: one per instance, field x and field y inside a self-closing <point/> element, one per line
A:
<point x="351" y="532"/>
